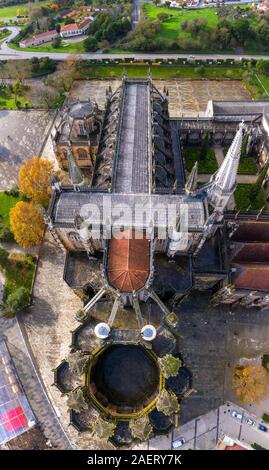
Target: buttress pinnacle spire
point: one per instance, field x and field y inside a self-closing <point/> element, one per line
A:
<point x="225" y="177"/>
<point x="191" y="183"/>
<point x="223" y="183"/>
<point x="75" y="173"/>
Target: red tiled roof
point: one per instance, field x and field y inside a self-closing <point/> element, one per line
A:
<point x="235" y="447"/>
<point x="84" y="23"/>
<point x="252" y="232"/>
<point x="128" y="262"/>
<point x="69" y="27"/>
<point x="251" y="276"/>
<point x="252" y="253"/>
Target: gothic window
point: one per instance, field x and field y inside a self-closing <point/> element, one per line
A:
<point x="74" y="238"/>
<point x="82" y="130"/>
<point x="82" y="154"/>
<point x="64" y="152"/>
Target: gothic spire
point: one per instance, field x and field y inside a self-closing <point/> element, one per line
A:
<point x="75" y="173"/>
<point x="191" y="183"/>
<point x="225" y="177"/>
<point x="222" y="184"/>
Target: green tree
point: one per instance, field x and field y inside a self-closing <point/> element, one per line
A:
<point x="18" y="299"/>
<point x="78" y="362"/>
<point x="167" y="403"/>
<point x="104" y="429"/>
<point x="76" y="400"/>
<point x="169" y="365"/>
<point x="90" y="44"/>
<point x="204" y="147"/>
<point x="141" y="428"/>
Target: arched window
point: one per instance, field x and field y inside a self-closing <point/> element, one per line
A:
<point x="64" y="153"/>
<point x="82" y="154"/>
<point x="74" y="238"/>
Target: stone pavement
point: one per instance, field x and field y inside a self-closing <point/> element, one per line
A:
<point x="22" y="134"/>
<point x="186" y="97"/>
<point x="48" y="323"/>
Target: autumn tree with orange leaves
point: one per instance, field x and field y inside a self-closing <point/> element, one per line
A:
<point x="34" y="180"/>
<point x="27" y="224"/>
<point x="250" y="383"/>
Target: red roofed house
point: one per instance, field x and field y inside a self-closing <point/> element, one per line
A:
<point x="263" y="7"/>
<point x="249" y="257"/>
<point x="75" y="29"/>
<point x="39" y="39"/>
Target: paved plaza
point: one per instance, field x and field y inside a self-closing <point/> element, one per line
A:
<point x="187" y="97"/>
<point x="22" y="136"/>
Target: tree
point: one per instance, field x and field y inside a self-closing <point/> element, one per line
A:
<point x="78" y="362"/>
<point x="104" y="429"/>
<point x="141" y="428"/>
<point x="16" y="89"/>
<point x="44" y="96"/>
<point x="56" y="43"/>
<point x="18" y="299"/>
<point x="34" y="180"/>
<point x="27" y="224"/>
<point x="167" y="403"/>
<point x="204" y="147"/>
<point x="249" y="383"/>
<point x="169" y="365"/>
<point x="90" y="44"/>
<point x="76" y="401"/>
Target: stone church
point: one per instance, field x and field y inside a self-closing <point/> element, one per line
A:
<point x="132" y="151"/>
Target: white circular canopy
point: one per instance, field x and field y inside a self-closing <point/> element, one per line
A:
<point x="148" y="332"/>
<point x="102" y="330"/>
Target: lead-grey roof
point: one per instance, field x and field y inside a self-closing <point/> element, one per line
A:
<point x="244" y="107"/>
<point x="132" y="155"/>
<point x="81" y="109"/>
<point x="91" y="206"/>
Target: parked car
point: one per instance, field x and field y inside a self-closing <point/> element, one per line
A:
<point x="263" y="428"/>
<point x="237" y="415"/>
<point x="250" y="422"/>
<point x="178" y="443"/>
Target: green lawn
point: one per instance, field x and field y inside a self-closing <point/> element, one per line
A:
<point x="7" y="99"/>
<point x="77" y="47"/>
<point x="14" y="10"/>
<point x="207" y="165"/>
<point x="158" y="71"/>
<point x="171" y="28"/>
<point x="18" y="270"/>
<point x="247" y="166"/>
<point x="244" y="197"/>
<point x="6" y="203"/>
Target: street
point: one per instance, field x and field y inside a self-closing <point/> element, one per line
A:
<point x="6" y="52"/>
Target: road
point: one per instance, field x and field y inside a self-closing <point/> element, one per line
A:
<point x="7" y="53"/>
<point x="136" y="13"/>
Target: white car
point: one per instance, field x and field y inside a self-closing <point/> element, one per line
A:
<point x="178" y="443"/>
<point x="237" y="415"/>
<point x="250" y="422"/>
<point x="191" y="57"/>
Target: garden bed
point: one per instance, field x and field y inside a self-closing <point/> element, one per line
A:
<point x="244" y="197"/>
<point x="206" y="165"/>
<point x="18" y="269"/>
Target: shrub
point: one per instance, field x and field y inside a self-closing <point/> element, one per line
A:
<point x="18" y="299"/>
